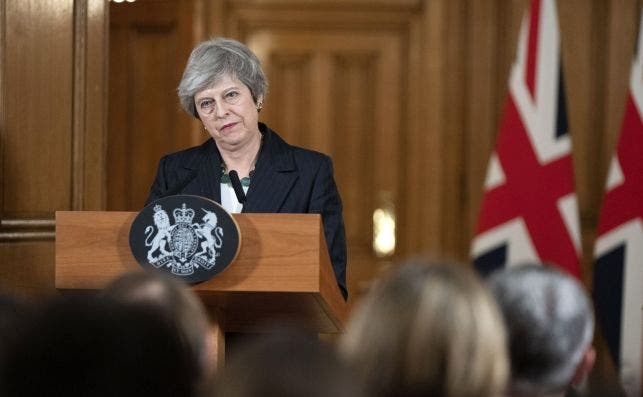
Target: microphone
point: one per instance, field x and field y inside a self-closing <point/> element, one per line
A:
<point x="236" y="185"/>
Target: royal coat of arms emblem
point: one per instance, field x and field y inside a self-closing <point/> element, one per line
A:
<point x="202" y="240"/>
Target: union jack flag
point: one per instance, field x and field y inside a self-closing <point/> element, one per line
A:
<point x="618" y="253"/>
<point x="529" y="211"/>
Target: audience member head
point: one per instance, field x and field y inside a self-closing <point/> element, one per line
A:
<point x="428" y="329"/>
<point x="178" y="303"/>
<point x="96" y="347"/>
<point x="550" y="325"/>
<point x="286" y="364"/>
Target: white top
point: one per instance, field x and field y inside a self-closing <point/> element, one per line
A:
<point x="229" y="199"/>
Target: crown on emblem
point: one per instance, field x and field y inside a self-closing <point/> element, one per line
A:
<point x="158" y="208"/>
<point x="183" y="215"/>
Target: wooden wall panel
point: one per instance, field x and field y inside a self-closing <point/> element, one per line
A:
<point x="27" y="267"/>
<point x="453" y="161"/>
<point x="37" y="143"/>
<point x="291" y="89"/>
<point x="353" y="148"/>
<point x="423" y="177"/>
<point x="49" y="97"/>
<point x="36" y="137"/>
<point x="149" y="45"/>
<point x="90" y="104"/>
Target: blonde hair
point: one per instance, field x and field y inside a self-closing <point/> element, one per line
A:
<point x="430" y="329"/>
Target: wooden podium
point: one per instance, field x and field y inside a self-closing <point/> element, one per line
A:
<point x="282" y="273"/>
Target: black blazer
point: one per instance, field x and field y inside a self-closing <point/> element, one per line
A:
<point x="286" y="179"/>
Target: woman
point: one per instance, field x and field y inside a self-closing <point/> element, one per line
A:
<point x="224" y="87"/>
<point x="429" y="330"/>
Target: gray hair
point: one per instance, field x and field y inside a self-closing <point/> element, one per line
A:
<point x="550" y="325"/>
<point x="213" y="59"/>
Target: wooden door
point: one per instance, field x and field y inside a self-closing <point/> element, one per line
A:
<point x="342" y="97"/>
<point x="338" y="84"/>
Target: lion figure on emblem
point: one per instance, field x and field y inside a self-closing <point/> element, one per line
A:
<point x="160" y="240"/>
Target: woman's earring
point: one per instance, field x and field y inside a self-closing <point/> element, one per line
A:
<point x="259" y="107"/>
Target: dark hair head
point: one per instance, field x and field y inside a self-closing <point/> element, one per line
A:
<point x="92" y="347"/>
<point x="286" y="363"/>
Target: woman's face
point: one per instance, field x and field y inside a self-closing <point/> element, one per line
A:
<point x="228" y="113"/>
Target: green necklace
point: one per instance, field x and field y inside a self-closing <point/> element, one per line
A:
<point x="225" y="178"/>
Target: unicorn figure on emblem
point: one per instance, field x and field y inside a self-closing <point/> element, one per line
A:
<point x="211" y="241"/>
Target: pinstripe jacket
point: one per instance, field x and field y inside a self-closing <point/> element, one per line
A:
<point x="287" y="179"/>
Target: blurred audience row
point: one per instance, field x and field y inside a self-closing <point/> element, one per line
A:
<point x="426" y="329"/>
